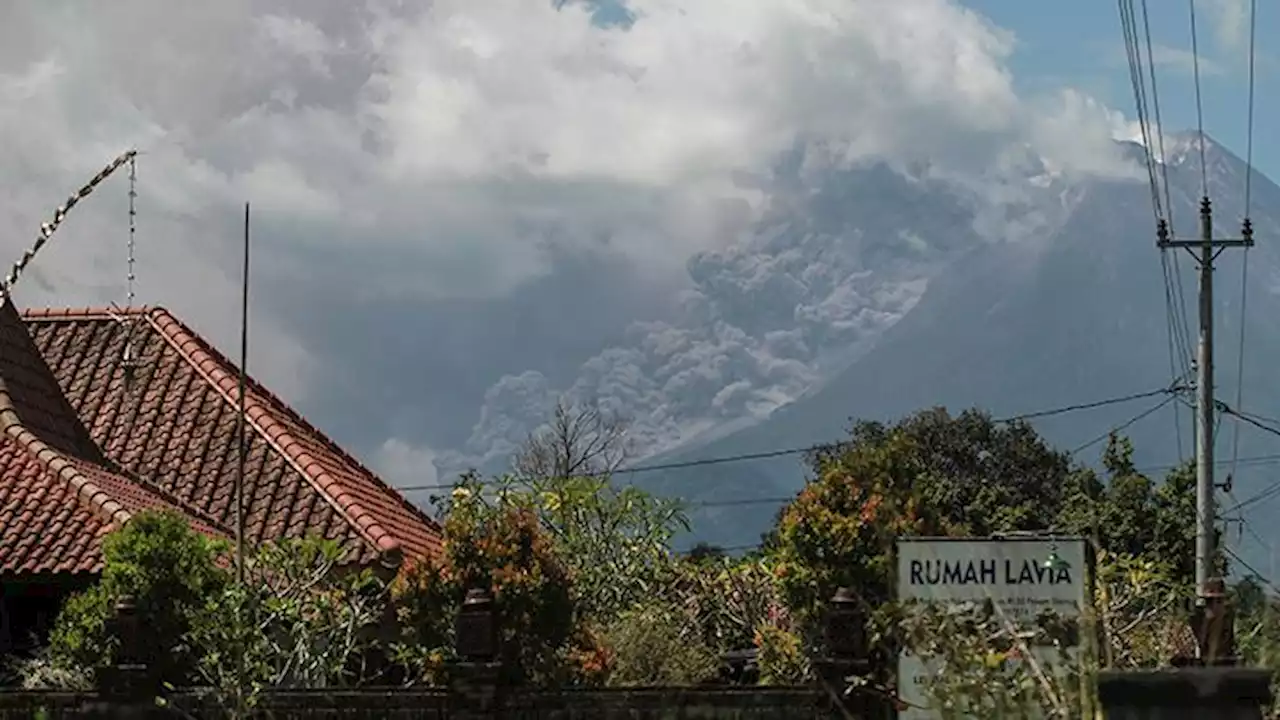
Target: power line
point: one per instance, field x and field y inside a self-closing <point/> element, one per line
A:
<point x="1159" y="126"/>
<point x="1195" y="64"/>
<point x="1122" y="426"/>
<point x="1261" y="424"/>
<point x="1254" y="420"/>
<point x="1263" y="578"/>
<point x="1273" y="489"/>
<point x="1248" y="233"/>
<point x="1175" y="300"/>
<point x="1248" y="178"/>
<point x="1249" y="461"/>
<point x="1171" y="391"/>
<point x="1270" y="492"/>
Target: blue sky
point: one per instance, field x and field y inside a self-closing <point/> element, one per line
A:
<point x="1083" y="47"/>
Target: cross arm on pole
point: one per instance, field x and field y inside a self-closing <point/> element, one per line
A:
<point x="1214" y="243"/>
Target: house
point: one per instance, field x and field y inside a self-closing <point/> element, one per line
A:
<point x="104" y="414"/>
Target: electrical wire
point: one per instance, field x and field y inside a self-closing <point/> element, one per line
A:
<point x="1264" y="424"/>
<point x="1253" y="571"/>
<point x="1127" y="423"/>
<point x="1159" y="123"/>
<point x="783" y="452"/>
<point x="1177" y="325"/>
<point x="1247" y="232"/>
<point x="1195" y="65"/>
<point x="1270" y="492"/>
<point x="1178" y="305"/>
<point x="1248" y="178"/>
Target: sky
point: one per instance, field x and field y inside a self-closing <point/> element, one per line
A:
<point x="1084" y="48"/>
<point x="449" y="194"/>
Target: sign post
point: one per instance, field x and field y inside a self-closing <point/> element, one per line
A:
<point x="1022" y="576"/>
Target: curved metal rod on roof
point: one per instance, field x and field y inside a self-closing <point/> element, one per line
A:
<point x="47" y="229"/>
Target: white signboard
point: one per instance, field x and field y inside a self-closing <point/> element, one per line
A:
<point x="1012" y="572"/>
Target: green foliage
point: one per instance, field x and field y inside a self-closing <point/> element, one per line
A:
<point x="840" y="530"/>
<point x="614" y="540"/>
<point x="654" y="644"/>
<point x="983" y="665"/>
<point x="169" y="570"/>
<point x="1130" y="515"/>
<point x="703" y="552"/>
<point x="727" y="601"/>
<point x="930" y="474"/>
<point x="301" y="620"/>
<point x="43" y="671"/>
<point x="783" y="658"/>
<point x="708" y="608"/>
<point x="1258" y="630"/>
<point x="499" y="545"/>
<point x="982" y="476"/>
<point x="1139" y="605"/>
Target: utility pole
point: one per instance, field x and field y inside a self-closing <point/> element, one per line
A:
<point x="1209" y="587"/>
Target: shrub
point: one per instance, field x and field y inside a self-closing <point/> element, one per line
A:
<point x="169" y="569"/>
<point x="656" y="644"/>
<point x="500" y="547"/>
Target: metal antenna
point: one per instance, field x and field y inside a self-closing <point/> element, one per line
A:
<point x="241" y="450"/>
<point x="133" y="227"/>
<point x="129" y="361"/>
<point x="240" y="419"/>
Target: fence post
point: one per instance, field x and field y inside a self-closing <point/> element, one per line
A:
<point x="124" y="688"/>
<point x="474" y="682"/>
<point x="845" y="632"/>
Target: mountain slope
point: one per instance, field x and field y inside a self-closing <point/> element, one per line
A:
<point x="1070" y="317"/>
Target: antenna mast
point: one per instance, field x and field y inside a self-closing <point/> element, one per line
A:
<point x="59" y="214"/>
<point x="240" y="467"/>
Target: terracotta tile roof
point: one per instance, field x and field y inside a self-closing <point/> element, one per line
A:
<point x="58" y="495"/>
<point x="170" y="421"/>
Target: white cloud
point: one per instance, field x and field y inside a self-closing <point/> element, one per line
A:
<point x="476" y="128"/>
<point x="1185" y="61"/>
<point x="405" y="465"/>
<point x="1230" y="23"/>
<point x="438" y="151"/>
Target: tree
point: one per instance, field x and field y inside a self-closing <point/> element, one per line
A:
<point x="983" y="476"/>
<point x="1130" y="515"/>
<point x="299" y="618"/>
<point x="840" y="529"/>
<point x="929" y="474"/>
<point x="579" y="440"/>
<point x="302" y="621"/>
<point x="614" y="539"/>
<point x="705" y="552"/>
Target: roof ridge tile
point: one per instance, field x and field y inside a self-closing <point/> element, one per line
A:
<point x="213" y="366"/>
<point x="94" y="496"/>
<point x="88" y="312"/>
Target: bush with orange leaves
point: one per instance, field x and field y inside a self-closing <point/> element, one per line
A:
<point x="501" y="547"/>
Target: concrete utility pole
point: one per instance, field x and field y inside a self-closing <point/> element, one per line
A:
<point x="1205" y="249"/>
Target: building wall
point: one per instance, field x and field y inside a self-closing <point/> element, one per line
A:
<point x="28" y="609"/>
